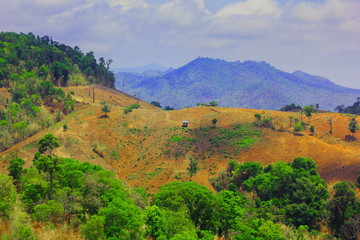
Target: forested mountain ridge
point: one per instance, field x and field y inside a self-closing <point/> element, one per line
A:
<point x="30" y="69"/>
<point x="235" y="84"/>
<point x="49" y="59"/>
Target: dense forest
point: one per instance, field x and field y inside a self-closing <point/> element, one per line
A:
<point x="30" y="68"/>
<point x="22" y="54"/>
<point x="278" y="201"/>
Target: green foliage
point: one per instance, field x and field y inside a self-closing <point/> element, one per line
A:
<point x="105" y="108"/>
<point x="343" y="199"/>
<point x="295" y="189"/>
<point x="290" y="107"/>
<point x="214" y="121"/>
<point x="235" y="175"/>
<point x="309" y="109"/>
<point x="213" y="104"/>
<point x="94" y="228"/>
<point x="195" y="199"/>
<point x="47" y="57"/>
<point x="48" y="143"/>
<point x="51" y="211"/>
<point x="193" y="167"/>
<point x="21" y="226"/>
<point x="298" y="127"/>
<point x="353" y="125"/>
<point x="16" y="168"/>
<point x="312" y="129"/>
<point x="123" y="220"/>
<point x="130" y="108"/>
<point x="258" y="116"/>
<point x="241" y="136"/>
<point x="7" y="196"/>
<point x="231" y="210"/>
<point x="263" y="121"/>
<point x="256" y="229"/>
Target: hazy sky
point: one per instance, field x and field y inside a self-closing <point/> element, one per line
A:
<point x="321" y="37"/>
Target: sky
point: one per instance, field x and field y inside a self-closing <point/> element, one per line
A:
<point x="320" y="37"/>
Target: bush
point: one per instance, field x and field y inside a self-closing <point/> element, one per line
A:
<point x="131" y="107"/>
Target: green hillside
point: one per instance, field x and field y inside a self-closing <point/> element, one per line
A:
<point x="30" y="68"/>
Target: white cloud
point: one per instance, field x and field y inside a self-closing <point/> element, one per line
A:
<point x="128" y="4"/>
<point x="328" y="10"/>
<point x="250" y="7"/>
<point x="134" y="32"/>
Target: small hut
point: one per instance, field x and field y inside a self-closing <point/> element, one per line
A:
<point x="185" y="124"/>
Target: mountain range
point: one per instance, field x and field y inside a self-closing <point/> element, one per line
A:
<point x="246" y="84"/>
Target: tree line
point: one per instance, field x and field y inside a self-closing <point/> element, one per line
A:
<point x="48" y="59"/>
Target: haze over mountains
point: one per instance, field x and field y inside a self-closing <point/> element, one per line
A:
<point x="246" y="84"/>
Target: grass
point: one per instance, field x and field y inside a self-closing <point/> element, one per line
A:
<point x="241" y="136"/>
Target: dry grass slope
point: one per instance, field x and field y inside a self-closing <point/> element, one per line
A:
<point x="148" y="148"/>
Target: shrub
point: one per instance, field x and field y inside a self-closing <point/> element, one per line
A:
<point x="131" y="107"/>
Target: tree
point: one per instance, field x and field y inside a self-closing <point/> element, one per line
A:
<point x="231" y="208"/>
<point x="16" y="168"/>
<point x="193" y="167"/>
<point x="197" y="200"/>
<point x="168" y="108"/>
<point x="48" y="143"/>
<point x="312" y="129"/>
<point x="156" y="104"/>
<point x="105" y="108"/>
<point x="258" y="116"/>
<point x="214" y="121"/>
<point x="340" y="108"/>
<point x="123" y="220"/>
<point x="7" y="195"/>
<point x="213" y="104"/>
<point x="343" y="198"/>
<point x="50" y="211"/>
<point x="309" y="109"/>
<point x="94" y="228"/>
<point x="353" y="126"/>
<point x="48" y="165"/>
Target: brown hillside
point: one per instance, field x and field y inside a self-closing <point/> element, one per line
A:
<point x="140" y="148"/>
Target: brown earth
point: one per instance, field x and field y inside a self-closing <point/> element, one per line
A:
<point x="139" y="149"/>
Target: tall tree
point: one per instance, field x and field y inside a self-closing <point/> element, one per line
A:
<point x="48" y="164"/>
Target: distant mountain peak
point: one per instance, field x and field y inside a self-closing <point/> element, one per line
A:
<point x="249" y="84"/>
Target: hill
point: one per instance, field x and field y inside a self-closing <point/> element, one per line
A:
<point x="30" y="69"/>
<point x="249" y="84"/>
<point x="147" y="147"/>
